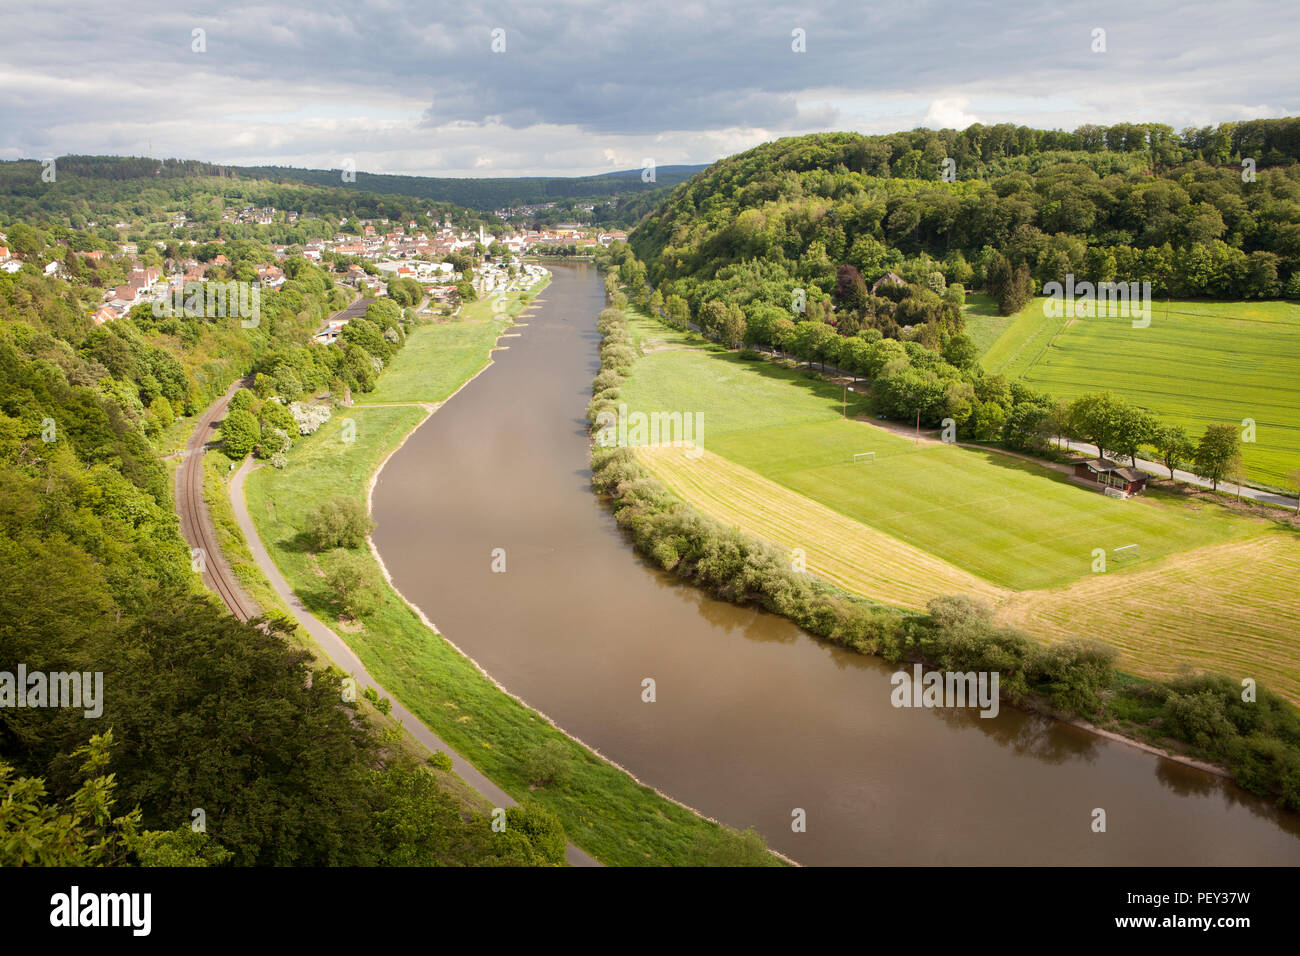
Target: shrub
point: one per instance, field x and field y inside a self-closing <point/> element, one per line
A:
<point x="439" y="760"/>
<point x="1072" y="673"/>
<point x="542" y="828"/>
<point x="308" y="418"/>
<point x="547" y="764"/>
<point x="341" y="522"/>
<point x="352" y="584"/>
<point x="239" y="434"/>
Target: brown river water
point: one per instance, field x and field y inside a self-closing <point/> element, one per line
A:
<point x="753" y="718"/>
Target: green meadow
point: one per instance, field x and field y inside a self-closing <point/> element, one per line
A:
<point x="1014" y="523"/>
<point x="1195" y="364"/>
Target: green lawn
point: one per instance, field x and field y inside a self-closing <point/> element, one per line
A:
<point x="983" y="324"/>
<point x="1026" y="337"/>
<point x="1016" y="524"/>
<point x="439" y="357"/>
<point x="1197" y="363"/>
<point x="603" y="809"/>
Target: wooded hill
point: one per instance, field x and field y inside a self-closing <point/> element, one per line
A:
<point x="1130" y="202"/>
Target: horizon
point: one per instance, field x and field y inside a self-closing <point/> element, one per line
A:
<point x="573" y="90"/>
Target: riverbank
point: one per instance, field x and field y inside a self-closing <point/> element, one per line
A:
<point x="1144" y="711"/>
<point x="604" y="810"/>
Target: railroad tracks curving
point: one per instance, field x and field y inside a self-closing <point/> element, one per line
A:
<point x="196" y="523"/>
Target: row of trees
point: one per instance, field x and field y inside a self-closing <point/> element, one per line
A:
<point x="934" y="376"/>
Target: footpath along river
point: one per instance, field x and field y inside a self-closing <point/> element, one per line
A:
<point x="754" y="718"/>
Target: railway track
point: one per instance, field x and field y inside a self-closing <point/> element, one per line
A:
<point x="196" y="524"/>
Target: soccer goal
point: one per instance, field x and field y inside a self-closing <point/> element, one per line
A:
<point x="1119" y="493"/>
<point x="864" y="457"/>
<point x="1129" y="552"/>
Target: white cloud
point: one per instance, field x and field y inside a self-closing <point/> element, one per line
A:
<point x="949" y="113"/>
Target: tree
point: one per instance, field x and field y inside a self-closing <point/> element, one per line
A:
<point x="1130" y="428"/>
<point x="352" y="583"/>
<point x="1011" y="288"/>
<point x="678" y="309"/>
<point x="341" y="522"/>
<point x="1174" y="446"/>
<point x="1090" y="420"/>
<point x="850" y="293"/>
<point x="239" y="434"/>
<point x="812" y="341"/>
<point x="542" y="828"/>
<point x="733" y="326"/>
<point x="713" y="316"/>
<point x="1215" y="452"/>
<point x="36" y="832"/>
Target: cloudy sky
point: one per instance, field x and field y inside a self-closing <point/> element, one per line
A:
<point x="579" y="87"/>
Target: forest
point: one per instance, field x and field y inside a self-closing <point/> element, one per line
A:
<point x="858" y="252"/>
<point x="205" y="718"/>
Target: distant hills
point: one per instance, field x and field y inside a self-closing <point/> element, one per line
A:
<point x="487" y="194"/>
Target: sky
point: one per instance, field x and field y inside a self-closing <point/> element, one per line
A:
<point x="566" y="87"/>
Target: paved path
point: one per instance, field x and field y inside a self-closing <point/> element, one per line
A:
<point x="346" y="659"/>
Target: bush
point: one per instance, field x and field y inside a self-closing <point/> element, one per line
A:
<point x="542" y="828"/>
<point x="239" y="434"/>
<point x="1073" y="673"/>
<point x="439" y="760"/>
<point x="352" y="584"/>
<point x="341" y="522"/>
<point x="308" y="418"/>
<point x="547" y="764"/>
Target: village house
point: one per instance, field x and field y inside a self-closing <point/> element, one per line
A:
<point x="889" y="278"/>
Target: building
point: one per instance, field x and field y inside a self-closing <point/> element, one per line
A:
<point x="889" y="278"/>
<point x="1111" y="474"/>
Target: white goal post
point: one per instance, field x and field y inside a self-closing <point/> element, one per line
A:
<point x="1127" y="552"/>
<point x="864" y="456"/>
<point x="1119" y="493"/>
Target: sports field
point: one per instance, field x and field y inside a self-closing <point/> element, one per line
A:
<point x="1197" y="363"/>
<point x="1227" y="607"/>
<point x="1015" y="524"/>
<point x="1206" y="589"/>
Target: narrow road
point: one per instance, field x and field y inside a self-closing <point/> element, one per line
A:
<point x="196" y="524"/>
<point x="346" y="659"/>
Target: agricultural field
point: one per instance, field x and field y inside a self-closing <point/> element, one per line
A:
<point x="1227" y="607"/>
<point x="1206" y="588"/>
<point x="983" y="324"/>
<point x="1013" y="523"/>
<point x="1023" y="341"/>
<point x="836" y="548"/>
<point x="1197" y="363"/>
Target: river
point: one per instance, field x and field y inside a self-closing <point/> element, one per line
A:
<point x="754" y="719"/>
